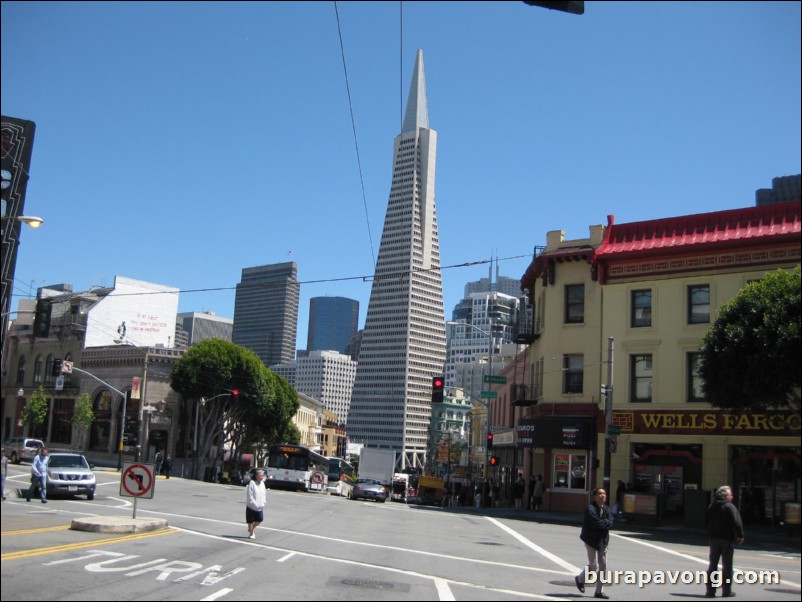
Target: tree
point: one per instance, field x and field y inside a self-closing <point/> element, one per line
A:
<point x="260" y="414"/>
<point x="83" y="416"/>
<point x="750" y="357"/>
<point x="35" y="411"/>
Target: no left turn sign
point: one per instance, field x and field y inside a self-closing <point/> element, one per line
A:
<point x="137" y="480"/>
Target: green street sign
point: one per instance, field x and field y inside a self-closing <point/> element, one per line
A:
<point x="613" y="430"/>
<point x="499" y="380"/>
<point x="488" y="395"/>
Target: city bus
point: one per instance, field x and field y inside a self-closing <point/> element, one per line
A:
<point x="341" y="477"/>
<point x="296" y="467"/>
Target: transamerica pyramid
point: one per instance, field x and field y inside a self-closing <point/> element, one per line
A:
<point x="404" y="343"/>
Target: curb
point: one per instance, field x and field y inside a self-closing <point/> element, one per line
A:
<point x="118" y="524"/>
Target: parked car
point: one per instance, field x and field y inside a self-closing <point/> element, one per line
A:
<point x="22" y="448"/>
<point x="369" y="489"/>
<point x="70" y="473"/>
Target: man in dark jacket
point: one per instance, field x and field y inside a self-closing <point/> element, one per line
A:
<point x="724" y="525"/>
<point x="596" y="535"/>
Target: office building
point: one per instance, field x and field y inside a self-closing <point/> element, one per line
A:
<point x="333" y="323"/>
<point x="200" y="326"/>
<point x="266" y="311"/>
<point x="328" y="376"/>
<point x="403" y="344"/>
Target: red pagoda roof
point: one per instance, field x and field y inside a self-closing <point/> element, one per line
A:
<point x="765" y="223"/>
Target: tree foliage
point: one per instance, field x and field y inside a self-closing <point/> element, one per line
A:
<point x="83" y="416"/>
<point x="750" y="357"/>
<point x="260" y="414"/>
<point x="35" y="411"/>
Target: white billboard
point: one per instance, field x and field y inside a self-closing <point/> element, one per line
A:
<point x="136" y="312"/>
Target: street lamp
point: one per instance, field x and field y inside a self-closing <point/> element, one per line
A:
<point x="143" y="395"/>
<point x="10" y="242"/>
<point x="202" y="401"/>
<point x="489" y="336"/>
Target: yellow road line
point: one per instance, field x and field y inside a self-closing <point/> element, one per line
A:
<point x="85" y="544"/>
<point x="40" y="530"/>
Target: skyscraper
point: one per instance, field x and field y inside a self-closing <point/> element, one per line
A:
<point x="403" y="343"/>
<point x="266" y="311"/>
<point x="333" y="323"/>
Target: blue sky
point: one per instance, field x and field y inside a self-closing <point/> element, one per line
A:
<point x="179" y="143"/>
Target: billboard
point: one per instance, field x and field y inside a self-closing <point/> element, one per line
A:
<point x="135" y="312"/>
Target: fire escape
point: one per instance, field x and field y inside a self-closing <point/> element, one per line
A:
<point x="524" y="393"/>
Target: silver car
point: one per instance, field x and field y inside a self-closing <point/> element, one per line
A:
<point x="70" y="473"/>
<point x="22" y="448"/>
<point x="369" y="489"/>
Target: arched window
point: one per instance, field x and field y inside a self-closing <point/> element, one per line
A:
<point x="49" y="369"/>
<point x="37" y="370"/>
<point x="21" y="370"/>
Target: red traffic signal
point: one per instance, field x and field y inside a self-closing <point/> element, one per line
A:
<point x="235" y="394"/>
<point x="490" y="441"/>
<point x="438" y="388"/>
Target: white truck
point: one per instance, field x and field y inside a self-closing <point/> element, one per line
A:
<point x="377" y="464"/>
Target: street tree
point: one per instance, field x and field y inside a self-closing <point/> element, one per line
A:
<point x="237" y="401"/>
<point x="750" y="357"/>
<point x="82" y="418"/>
<point x="35" y="411"/>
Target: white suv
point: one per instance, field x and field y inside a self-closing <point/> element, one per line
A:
<point x="22" y="448"/>
<point x="70" y="473"/>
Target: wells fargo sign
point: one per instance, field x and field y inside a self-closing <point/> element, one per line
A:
<point x="707" y="422"/>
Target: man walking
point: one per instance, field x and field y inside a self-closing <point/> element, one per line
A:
<point x="255" y="499"/>
<point x="39" y="475"/>
<point x="3" y="471"/>
<point x="726" y="529"/>
<point x="596" y="535"/>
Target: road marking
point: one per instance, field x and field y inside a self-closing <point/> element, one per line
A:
<point x="389" y="569"/>
<point x="287" y="557"/>
<point x="41" y="530"/>
<point x="223" y="592"/>
<point x="543" y="552"/>
<point x="443" y="591"/>
<point x="370" y="545"/>
<point x="78" y="546"/>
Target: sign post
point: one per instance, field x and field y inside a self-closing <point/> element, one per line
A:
<point x="137" y="481"/>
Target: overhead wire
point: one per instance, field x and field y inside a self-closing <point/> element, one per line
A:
<point x="353" y="128"/>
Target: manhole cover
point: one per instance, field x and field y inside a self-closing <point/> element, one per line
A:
<point x="365" y="583"/>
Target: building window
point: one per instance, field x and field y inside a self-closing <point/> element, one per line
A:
<point x="575" y="304"/>
<point x="21" y="370"/>
<point x="695" y="392"/>
<point x="49" y="369"/>
<point x="699" y="304"/>
<point x="570" y="470"/>
<point x="641" y="309"/>
<point x="37" y="370"/>
<point x="640" y="370"/>
<point x="573" y="372"/>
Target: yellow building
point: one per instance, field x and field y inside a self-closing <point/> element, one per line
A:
<point x="653" y="288"/>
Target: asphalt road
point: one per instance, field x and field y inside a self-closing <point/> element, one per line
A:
<point x="317" y="547"/>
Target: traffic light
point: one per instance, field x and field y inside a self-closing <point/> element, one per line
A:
<point x="493" y="460"/>
<point x="490" y="441"/>
<point x="41" y="318"/>
<point x="235" y="394"/>
<point x="438" y="386"/>
<point x="57" y="365"/>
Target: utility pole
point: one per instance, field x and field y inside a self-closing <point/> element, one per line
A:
<point x="608" y="414"/>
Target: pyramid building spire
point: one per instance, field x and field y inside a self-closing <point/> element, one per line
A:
<point x="403" y="343"/>
<point x="417" y="113"/>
